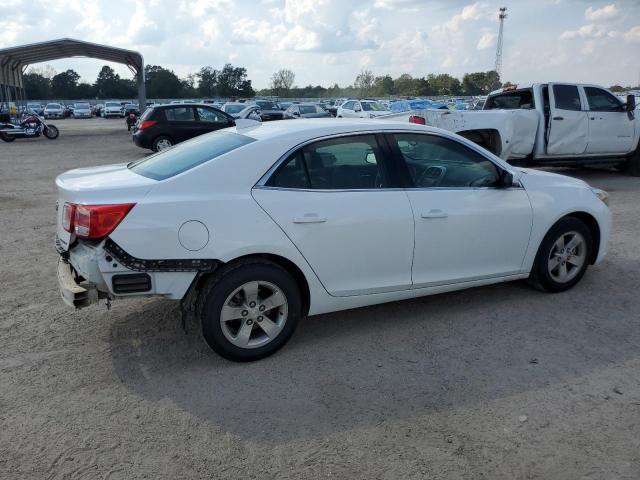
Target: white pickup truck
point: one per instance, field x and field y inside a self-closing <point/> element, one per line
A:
<point x="548" y="124"/>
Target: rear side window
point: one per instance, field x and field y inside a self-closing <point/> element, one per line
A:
<point x="181" y="114"/>
<point x="511" y="100"/>
<point x="345" y="163"/>
<point x="601" y="100"/>
<point x="567" y="97"/>
<point x="187" y="155"/>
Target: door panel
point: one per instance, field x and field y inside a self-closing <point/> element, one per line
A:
<point x="568" y="129"/>
<point x="611" y="129"/>
<point x="467" y="234"/>
<point x="357" y="242"/>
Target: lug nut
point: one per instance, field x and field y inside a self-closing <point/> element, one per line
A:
<point x="262" y="307"/>
<point x="260" y="318"/>
<point x="252" y="304"/>
<point x="249" y="322"/>
<point x="245" y="313"/>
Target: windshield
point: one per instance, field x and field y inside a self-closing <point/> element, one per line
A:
<point x="53" y="105"/>
<point x="187" y="155"/>
<point x="33" y="104"/>
<point x="310" y="109"/>
<point x="372" y="106"/>
<point x="234" y="108"/>
<point x="267" y="105"/>
<point x="112" y="104"/>
<point x="81" y="105"/>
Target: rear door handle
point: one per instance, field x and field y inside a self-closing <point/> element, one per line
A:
<point x="309" y="218"/>
<point x="558" y="118"/>
<point x="434" y="214"/>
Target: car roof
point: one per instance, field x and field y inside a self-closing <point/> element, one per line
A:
<point x="324" y="126"/>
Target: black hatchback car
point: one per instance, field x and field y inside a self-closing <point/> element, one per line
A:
<point x="162" y="126"/>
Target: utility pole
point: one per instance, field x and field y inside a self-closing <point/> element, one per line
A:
<point x="498" y="66"/>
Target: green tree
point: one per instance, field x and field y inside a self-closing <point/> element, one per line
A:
<point x="405" y="85"/>
<point x="233" y="82"/>
<point x="444" y="84"/>
<point x="480" y="83"/>
<point x="208" y="82"/>
<point x="364" y="82"/>
<point x="64" y="85"/>
<point x="36" y="86"/>
<point x="383" y="86"/>
<point x="107" y="83"/>
<point x="161" y="82"/>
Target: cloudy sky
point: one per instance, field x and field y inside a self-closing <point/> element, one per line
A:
<point x="327" y="41"/>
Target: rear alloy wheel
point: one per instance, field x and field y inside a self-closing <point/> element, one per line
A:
<point x="250" y="311"/>
<point x="6" y="137"/>
<point x="162" y="143"/>
<point x="563" y="256"/>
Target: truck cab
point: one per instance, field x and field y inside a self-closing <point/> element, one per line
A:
<point x="585" y="121"/>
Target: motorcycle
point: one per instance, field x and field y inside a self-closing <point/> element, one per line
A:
<point x="32" y="125"/>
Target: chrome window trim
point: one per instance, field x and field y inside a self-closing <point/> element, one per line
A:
<point x="261" y="183"/>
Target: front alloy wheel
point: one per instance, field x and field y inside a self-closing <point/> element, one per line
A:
<point x="563" y="255"/>
<point x="567" y="256"/>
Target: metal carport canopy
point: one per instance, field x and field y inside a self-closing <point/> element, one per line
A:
<point x="14" y="60"/>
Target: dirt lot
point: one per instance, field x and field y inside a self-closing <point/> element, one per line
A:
<point x="497" y="382"/>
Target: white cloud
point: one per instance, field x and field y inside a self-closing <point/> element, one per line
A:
<point x="487" y="40"/>
<point x="633" y="35"/>
<point x="600" y="14"/>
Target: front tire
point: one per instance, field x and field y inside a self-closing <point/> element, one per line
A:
<point x="249" y="310"/>
<point x="51" y="132"/>
<point x="563" y="256"/>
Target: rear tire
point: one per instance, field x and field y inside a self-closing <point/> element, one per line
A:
<point x="162" y="143"/>
<point x="563" y="256"/>
<point x="6" y="138"/>
<point x="249" y="310"/>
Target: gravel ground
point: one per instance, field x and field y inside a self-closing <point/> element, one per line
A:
<point x="496" y="382"/>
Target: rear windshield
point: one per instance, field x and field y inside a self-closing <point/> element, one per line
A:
<point x="510" y="100"/>
<point x="187" y="155"/>
<point x="81" y="105"/>
<point x="112" y="104"/>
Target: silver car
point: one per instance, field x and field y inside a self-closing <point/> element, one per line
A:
<point x="53" y="110"/>
<point x="81" y="110"/>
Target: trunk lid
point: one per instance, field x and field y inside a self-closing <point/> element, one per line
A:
<point x="103" y="185"/>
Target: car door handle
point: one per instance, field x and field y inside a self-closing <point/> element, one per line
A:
<point x="558" y="118"/>
<point x="309" y="218"/>
<point x="434" y="214"/>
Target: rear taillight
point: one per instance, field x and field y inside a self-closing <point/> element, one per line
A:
<point x="95" y="222"/>
<point x="147" y="124"/>
<point x="68" y="212"/>
<point x="417" y="119"/>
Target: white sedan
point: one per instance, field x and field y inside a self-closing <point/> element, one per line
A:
<point x="254" y="228"/>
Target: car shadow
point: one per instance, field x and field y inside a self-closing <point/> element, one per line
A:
<point x="400" y="360"/>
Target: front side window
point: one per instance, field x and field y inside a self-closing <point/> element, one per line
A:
<point x="181" y="114"/>
<point x="304" y="109"/>
<point x="438" y="162"/>
<point x="567" y="97"/>
<point x="349" y="105"/>
<point x="372" y="107"/>
<point x="345" y="163"/>
<point x="187" y="155"/>
<point x="601" y="100"/>
<point x="210" y="116"/>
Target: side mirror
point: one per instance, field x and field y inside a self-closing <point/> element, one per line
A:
<point x="357" y="108"/>
<point x="296" y="114"/>
<point x="371" y="158"/>
<point x="631" y="103"/>
<point x="506" y="179"/>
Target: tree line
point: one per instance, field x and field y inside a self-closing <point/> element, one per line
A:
<point x="230" y="81"/>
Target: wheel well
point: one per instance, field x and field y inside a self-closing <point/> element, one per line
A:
<point x="487" y="138"/>
<point x="594" y="229"/>
<point x="288" y="265"/>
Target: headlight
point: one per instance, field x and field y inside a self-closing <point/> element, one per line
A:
<point x="601" y="194"/>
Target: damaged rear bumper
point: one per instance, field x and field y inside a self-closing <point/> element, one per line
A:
<point x="74" y="293"/>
